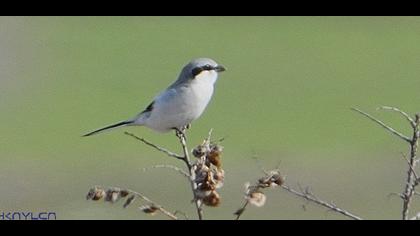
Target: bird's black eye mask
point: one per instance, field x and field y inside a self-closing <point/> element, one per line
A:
<point x="198" y="70"/>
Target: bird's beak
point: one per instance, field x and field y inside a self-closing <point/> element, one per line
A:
<point x="219" y="68"/>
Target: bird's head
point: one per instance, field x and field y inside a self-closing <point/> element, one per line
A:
<point x="202" y="68"/>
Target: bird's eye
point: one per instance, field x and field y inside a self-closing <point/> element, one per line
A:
<point x="207" y="67"/>
<point x="196" y="71"/>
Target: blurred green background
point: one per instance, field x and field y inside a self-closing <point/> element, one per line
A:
<point x="284" y="99"/>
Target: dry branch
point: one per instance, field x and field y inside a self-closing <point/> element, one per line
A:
<point x="385" y="126"/>
<point x="167" y="152"/>
<point x="114" y="194"/>
<point x="307" y="195"/>
<point x="175" y="168"/>
<point x="186" y="158"/>
<point x="412" y="178"/>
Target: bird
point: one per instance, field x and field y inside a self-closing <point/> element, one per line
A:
<point x="184" y="101"/>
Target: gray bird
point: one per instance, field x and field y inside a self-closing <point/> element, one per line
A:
<point x="181" y="103"/>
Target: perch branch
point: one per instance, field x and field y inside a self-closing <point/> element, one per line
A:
<point x="241" y="210"/>
<point x="405" y="115"/>
<point x="312" y="198"/>
<point x="393" y="131"/>
<point x="412" y="178"/>
<point x="167" y="152"/>
<point x="177" y="169"/>
<point x="186" y="158"/>
<point x="160" y="208"/>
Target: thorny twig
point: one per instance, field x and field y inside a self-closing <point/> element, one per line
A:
<point x="186" y="158"/>
<point x="241" y="210"/>
<point x="113" y="194"/>
<point x="273" y="178"/>
<point x="385" y="126"/>
<point x="160" y="208"/>
<point x="306" y="194"/>
<point x="180" y="134"/>
<point x="167" y="152"/>
<point x="175" y="168"/>
<point x="412" y="178"/>
<point x="254" y="194"/>
<point x="406" y="116"/>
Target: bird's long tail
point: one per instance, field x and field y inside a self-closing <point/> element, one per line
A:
<point x="123" y="123"/>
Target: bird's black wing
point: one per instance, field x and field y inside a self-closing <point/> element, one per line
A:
<point x="148" y="108"/>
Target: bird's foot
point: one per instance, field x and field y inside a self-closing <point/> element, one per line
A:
<point x="180" y="132"/>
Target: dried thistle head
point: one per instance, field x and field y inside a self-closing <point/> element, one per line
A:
<point x="95" y="194"/>
<point x="256" y="198"/>
<point x="206" y="186"/>
<point x="212" y="199"/>
<point x="199" y="151"/>
<point x="218" y="178"/>
<point x="201" y="194"/>
<point x="271" y="180"/>
<point x="202" y="173"/>
<point x="214" y="155"/>
<point x="277" y="179"/>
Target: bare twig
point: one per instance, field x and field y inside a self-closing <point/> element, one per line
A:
<point x="181" y="135"/>
<point x="181" y="213"/>
<point x="393" y="131"/>
<point x="410" y="166"/>
<point x="405" y="115"/>
<point x="113" y="194"/>
<point x="186" y="158"/>
<point x="396" y="194"/>
<point x="312" y="198"/>
<point x="412" y="178"/>
<point x="177" y="169"/>
<point x="254" y="194"/>
<point x="160" y="208"/>
<point x="241" y="210"/>
<point x="167" y="152"/>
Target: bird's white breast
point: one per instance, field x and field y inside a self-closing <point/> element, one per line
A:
<point x="177" y="107"/>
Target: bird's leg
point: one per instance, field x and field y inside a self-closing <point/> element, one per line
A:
<point x="180" y="132"/>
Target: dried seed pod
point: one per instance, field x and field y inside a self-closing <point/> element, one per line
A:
<point x="214" y="159"/>
<point x="215" y="155"/>
<point x="218" y="178"/>
<point x="277" y="179"/>
<point x="124" y="193"/>
<point x="213" y="199"/>
<point x="112" y="195"/>
<point x="199" y="151"/>
<point x="95" y="194"/>
<point x="257" y="199"/>
<point x="201" y="194"/>
<point x="264" y="182"/>
<point x="129" y="200"/>
<point x="149" y="209"/>
<point x="201" y="173"/>
<point x="206" y="186"/>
